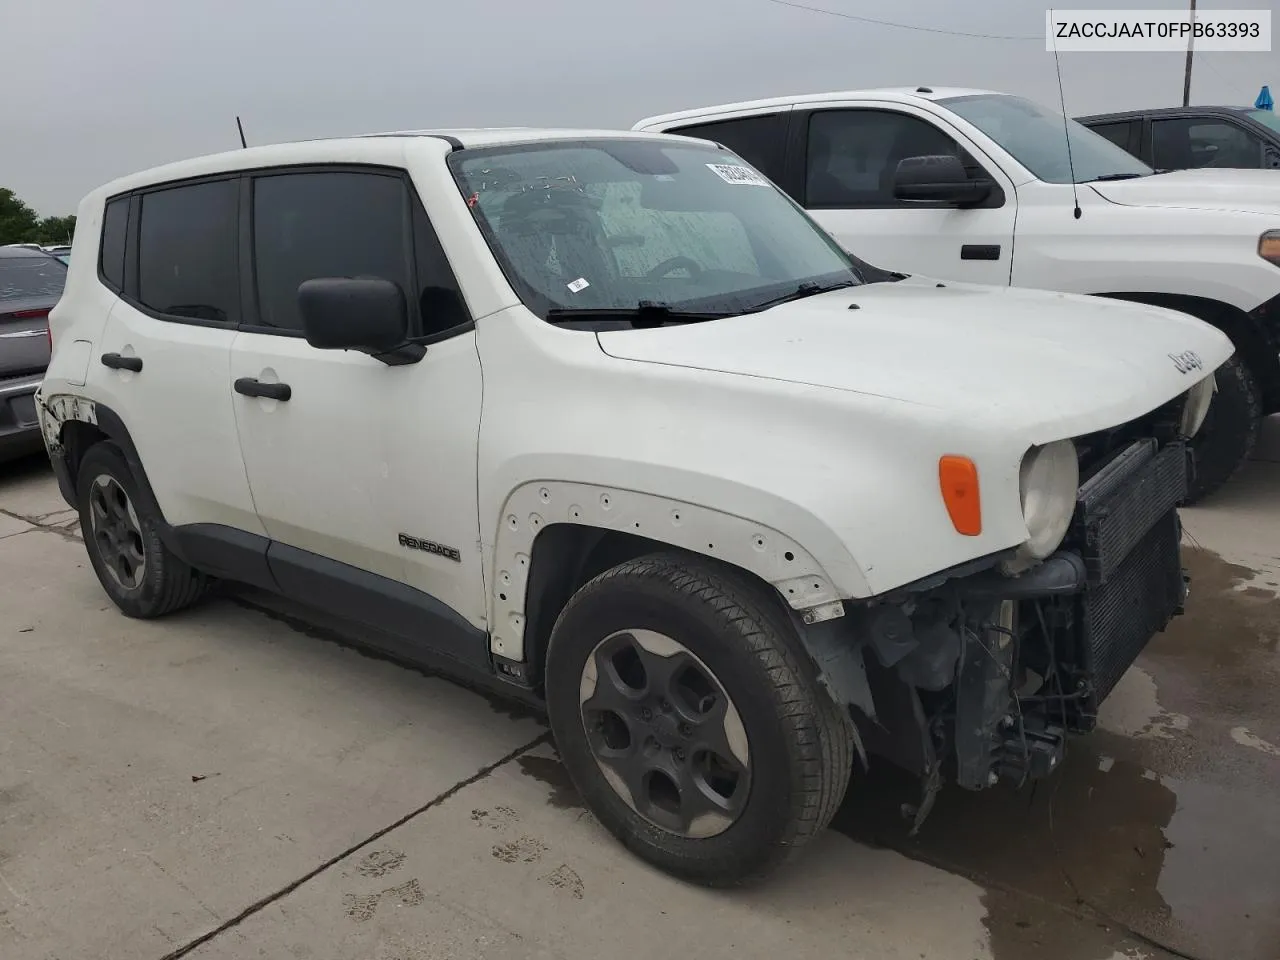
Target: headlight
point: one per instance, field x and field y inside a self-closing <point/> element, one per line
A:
<point x="1049" y="477"/>
<point x="1269" y="246"/>
<point x="1196" y="406"/>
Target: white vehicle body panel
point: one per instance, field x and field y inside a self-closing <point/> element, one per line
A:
<point x="191" y="364"/>
<point x="369" y="452"/>
<point x="1193" y="233"/>
<point x="800" y="444"/>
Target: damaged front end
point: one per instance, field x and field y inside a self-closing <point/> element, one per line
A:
<point x="978" y="676"/>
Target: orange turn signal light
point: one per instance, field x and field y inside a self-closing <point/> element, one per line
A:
<point x="1269" y="246"/>
<point x="958" y="480"/>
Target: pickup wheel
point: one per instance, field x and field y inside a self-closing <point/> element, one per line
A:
<point x="1230" y="431"/>
<point x="122" y="537"/>
<point x="691" y="720"/>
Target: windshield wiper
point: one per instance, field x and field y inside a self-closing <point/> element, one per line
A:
<point x="1116" y="176"/>
<point x="808" y="288"/>
<point x="646" y="313"/>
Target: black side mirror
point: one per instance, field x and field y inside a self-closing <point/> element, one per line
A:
<point x="353" y="313"/>
<point x="940" y="179"/>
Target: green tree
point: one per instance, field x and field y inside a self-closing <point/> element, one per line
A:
<point x="18" y="222"/>
<point x="56" y="230"/>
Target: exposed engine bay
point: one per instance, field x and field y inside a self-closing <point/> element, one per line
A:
<point x="979" y="676"/>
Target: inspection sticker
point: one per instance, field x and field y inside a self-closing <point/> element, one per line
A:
<point x="731" y="173"/>
<point x="577" y="286"/>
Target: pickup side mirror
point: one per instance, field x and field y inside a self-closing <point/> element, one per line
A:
<point x="940" y="179"/>
<point x="353" y="313"/>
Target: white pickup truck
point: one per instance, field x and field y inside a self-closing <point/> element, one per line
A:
<point x="606" y="420"/>
<point x="970" y="185"/>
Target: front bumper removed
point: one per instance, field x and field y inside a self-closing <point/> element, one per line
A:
<point x="1099" y="601"/>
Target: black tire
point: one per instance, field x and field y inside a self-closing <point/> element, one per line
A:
<point x="1230" y="431"/>
<point x="799" y="740"/>
<point x="164" y="583"/>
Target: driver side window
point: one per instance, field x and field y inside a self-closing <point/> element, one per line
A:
<point x="853" y="154"/>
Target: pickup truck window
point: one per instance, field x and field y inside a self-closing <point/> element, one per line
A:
<point x="853" y="154"/>
<point x="1120" y="133"/>
<point x="760" y="139"/>
<point x="1036" y="138"/>
<point x="1184" y="143"/>
<point x="621" y="224"/>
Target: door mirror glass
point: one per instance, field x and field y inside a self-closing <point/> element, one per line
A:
<point x="938" y="179"/>
<point x="353" y="313"/>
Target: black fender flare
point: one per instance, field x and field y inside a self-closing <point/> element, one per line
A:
<point x="112" y="425"/>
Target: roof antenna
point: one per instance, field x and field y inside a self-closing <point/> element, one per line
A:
<point x="1066" y="130"/>
<point x="240" y="127"/>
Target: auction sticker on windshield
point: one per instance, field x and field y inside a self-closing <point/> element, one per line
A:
<point x="730" y="173"/>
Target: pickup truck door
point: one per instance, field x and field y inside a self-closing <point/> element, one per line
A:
<point x="363" y="473"/>
<point x="841" y="161"/>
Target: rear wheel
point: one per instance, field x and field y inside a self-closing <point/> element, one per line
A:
<point x="122" y="537"/>
<point x="691" y="720"/>
<point x="1230" y="431"/>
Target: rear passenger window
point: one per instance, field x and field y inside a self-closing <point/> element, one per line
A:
<point x="115" y="222"/>
<point x="322" y="224"/>
<point x="759" y="140"/>
<point x="1121" y="134"/>
<point x="187" y="252"/>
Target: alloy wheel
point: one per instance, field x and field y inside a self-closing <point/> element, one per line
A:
<point x="665" y="733"/>
<point x="117" y="534"/>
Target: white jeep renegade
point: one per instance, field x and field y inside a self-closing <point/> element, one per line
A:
<point x="985" y="187"/>
<point x="607" y="419"/>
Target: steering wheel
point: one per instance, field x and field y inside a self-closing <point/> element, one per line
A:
<point x="675" y="263"/>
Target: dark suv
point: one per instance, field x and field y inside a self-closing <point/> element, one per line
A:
<point x="31" y="283"/>
<point x="1184" y="138"/>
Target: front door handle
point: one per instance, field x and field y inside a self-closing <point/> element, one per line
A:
<point x="116" y="362"/>
<point x="251" y="387"/>
<point x="980" y="251"/>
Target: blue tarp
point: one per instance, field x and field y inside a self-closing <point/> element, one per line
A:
<point x="1264" y="101"/>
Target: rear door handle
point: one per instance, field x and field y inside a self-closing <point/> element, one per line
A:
<point x="116" y="362"/>
<point x="251" y="387"/>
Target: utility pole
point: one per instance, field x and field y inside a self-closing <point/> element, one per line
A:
<point x="1186" y="82"/>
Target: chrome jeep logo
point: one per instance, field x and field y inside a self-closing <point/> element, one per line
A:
<point x="1187" y="361"/>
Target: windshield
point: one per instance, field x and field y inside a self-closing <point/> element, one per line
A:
<point x="1268" y="118"/>
<point x="1035" y="137"/>
<point x="621" y="224"/>
<point x="24" y="278"/>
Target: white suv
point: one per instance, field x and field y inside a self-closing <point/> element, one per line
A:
<point x="975" y="186"/>
<point x="607" y="419"/>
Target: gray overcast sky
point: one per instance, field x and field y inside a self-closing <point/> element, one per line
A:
<point x="98" y="88"/>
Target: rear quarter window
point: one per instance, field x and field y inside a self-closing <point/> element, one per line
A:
<point x="115" y="223"/>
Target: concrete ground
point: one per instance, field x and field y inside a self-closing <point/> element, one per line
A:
<point x="231" y="783"/>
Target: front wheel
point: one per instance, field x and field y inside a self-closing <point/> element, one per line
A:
<point x="691" y="720"/>
<point x="1230" y="431"/>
